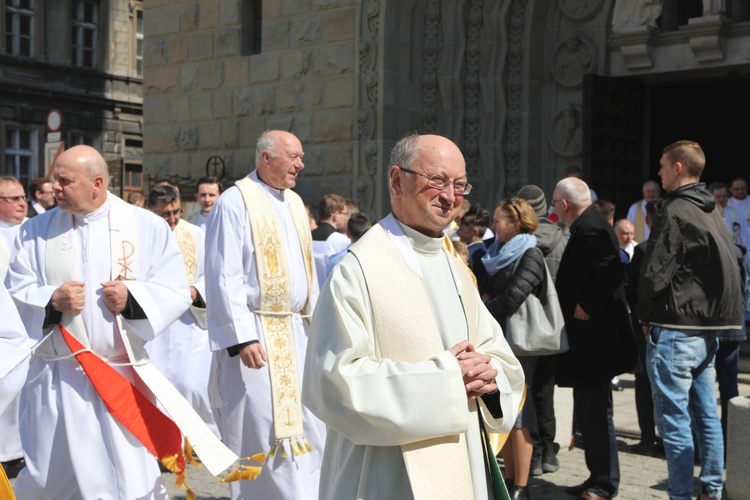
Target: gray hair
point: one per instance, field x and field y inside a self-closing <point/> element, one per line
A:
<point x="404" y="154"/>
<point x="265" y="143"/>
<point x="574" y="191"/>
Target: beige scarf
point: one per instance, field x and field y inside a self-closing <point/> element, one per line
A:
<point x="406" y="330"/>
<point x="126" y="263"/>
<point x="275" y="312"/>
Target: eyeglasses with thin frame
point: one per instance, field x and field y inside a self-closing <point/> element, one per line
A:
<point x="555" y="201"/>
<point x="13" y="199"/>
<point x="460" y="188"/>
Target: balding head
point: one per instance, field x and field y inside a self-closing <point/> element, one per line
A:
<point x="81" y="180"/>
<point x="571" y="197"/>
<point x="625" y="232"/>
<point x="651" y="190"/>
<point x="415" y="201"/>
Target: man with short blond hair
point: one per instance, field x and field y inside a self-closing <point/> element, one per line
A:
<point x="689" y="292"/>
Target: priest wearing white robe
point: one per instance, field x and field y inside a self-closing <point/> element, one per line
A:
<point x="182" y="352"/>
<point x="261" y="285"/>
<point x="105" y="270"/>
<point x="402" y="375"/>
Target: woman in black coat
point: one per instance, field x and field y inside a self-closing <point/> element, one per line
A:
<point x="515" y="268"/>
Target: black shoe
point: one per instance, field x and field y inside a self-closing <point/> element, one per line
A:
<point x="536" y="466"/>
<point x="617" y="387"/>
<point x="575" y="491"/>
<point x="520" y="493"/>
<point x="645" y="448"/>
<point x="550" y="463"/>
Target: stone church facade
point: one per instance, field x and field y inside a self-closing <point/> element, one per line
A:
<point x="526" y="88"/>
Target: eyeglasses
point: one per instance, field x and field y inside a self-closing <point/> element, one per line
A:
<point x="460" y="188"/>
<point x="555" y="201"/>
<point x="13" y="199"/>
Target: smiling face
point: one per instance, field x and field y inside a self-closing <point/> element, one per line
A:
<point x="417" y="204"/>
<point x="170" y="212"/>
<point x="504" y="226"/>
<point x="279" y="168"/>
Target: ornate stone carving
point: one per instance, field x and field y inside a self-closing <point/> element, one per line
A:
<point x="429" y="72"/>
<point x="566" y="132"/>
<point x="367" y="150"/>
<point x="471" y="87"/>
<point x="580" y="10"/>
<point x="633" y="14"/>
<point x="572" y="58"/>
<point x="513" y="148"/>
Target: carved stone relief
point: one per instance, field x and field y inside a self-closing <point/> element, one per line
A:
<point x="514" y="94"/>
<point x="580" y="10"/>
<point x="368" y="101"/>
<point x="566" y="132"/>
<point x="572" y="58"/>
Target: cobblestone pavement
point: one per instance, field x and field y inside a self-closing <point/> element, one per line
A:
<point x="643" y="477"/>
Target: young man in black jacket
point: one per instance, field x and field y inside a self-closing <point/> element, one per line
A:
<point x="689" y="291"/>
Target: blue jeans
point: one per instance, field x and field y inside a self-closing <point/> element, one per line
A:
<point x="681" y="369"/>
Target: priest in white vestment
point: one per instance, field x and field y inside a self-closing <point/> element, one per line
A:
<point x="182" y="352"/>
<point x="261" y="286"/>
<point x="105" y="270"/>
<point x="403" y="358"/>
<point x="13" y="210"/>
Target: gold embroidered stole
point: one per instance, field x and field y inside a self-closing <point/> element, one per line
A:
<point x="275" y="312"/>
<point x="640" y="224"/>
<point x="188" y="244"/>
<point x="188" y="248"/>
<point x="406" y="330"/>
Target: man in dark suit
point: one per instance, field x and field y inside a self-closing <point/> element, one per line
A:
<point x="590" y="288"/>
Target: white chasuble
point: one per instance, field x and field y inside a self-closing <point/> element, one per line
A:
<point x="377" y="408"/>
<point x="244" y="407"/>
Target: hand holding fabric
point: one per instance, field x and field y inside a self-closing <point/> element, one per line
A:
<point x="69" y="297"/>
<point x="115" y="295"/>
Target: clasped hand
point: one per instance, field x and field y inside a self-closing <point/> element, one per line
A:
<point x="477" y="372"/>
<point x="69" y="298"/>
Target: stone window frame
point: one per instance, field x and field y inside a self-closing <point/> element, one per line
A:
<point x="138" y="38"/>
<point x="251" y="27"/>
<point x="82" y="139"/>
<point x="15" y="12"/>
<point x="14" y="152"/>
<point x="84" y="22"/>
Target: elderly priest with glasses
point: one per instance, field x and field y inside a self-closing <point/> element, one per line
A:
<point x="404" y="363"/>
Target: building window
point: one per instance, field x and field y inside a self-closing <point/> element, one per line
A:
<point x="84" y="140"/>
<point x="83" y="34"/>
<point x="139" y="42"/>
<point x="252" y="19"/>
<point x="19" y="28"/>
<point x="20" y="154"/>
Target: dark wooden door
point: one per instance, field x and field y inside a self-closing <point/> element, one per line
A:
<point x="614" y="139"/>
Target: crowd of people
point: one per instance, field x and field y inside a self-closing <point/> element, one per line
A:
<point x="253" y="332"/>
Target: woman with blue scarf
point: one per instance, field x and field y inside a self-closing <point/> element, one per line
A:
<point x="514" y="270"/>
